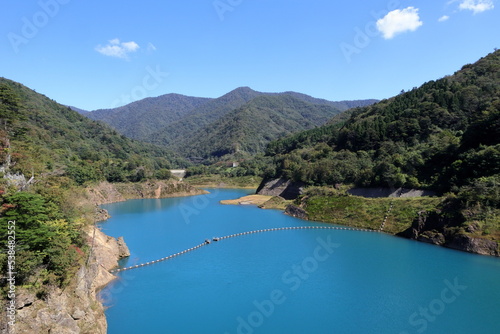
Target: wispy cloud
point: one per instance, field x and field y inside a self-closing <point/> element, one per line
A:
<point x="118" y="49"/>
<point x="444" y="18"/>
<point x="476" y="6"/>
<point x="151" y="47"/>
<point x="399" y="21"/>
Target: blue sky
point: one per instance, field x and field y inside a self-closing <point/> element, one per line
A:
<point x="100" y="54"/>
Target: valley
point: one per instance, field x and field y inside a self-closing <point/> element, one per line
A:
<point x="302" y="154"/>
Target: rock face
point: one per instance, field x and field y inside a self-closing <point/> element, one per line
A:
<point x="432" y="228"/>
<point x="474" y="245"/>
<point x="101" y="214"/>
<point x="432" y="237"/>
<point x="105" y="192"/>
<point x="123" y="250"/>
<point x="76" y="308"/>
<point x="296" y="211"/>
<point x="280" y="187"/>
<point x="389" y="192"/>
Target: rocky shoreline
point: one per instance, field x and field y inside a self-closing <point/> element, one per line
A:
<point x="432" y="229"/>
<point x="426" y="227"/>
<point x="77" y="308"/>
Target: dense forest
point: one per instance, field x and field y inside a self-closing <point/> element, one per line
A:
<point x="47" y="152"/>
<point x="189" y="125"/>
<point x="52" y="139"/>
<point x="441" y="136"/>
<point x="248" y="129"/>
<point x="139" y="120"/>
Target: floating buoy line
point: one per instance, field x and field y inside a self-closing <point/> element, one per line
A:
<point x="216" y="239"/>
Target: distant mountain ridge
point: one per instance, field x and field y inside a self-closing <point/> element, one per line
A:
<point x="176" y="133"/>
<point x="176" y="121"/>
<point x="78" y="110"/>
<point x="251" y="127"/>
<point x="148" y="115"/>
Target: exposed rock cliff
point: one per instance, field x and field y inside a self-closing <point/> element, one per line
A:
<point x="433" y="228"/>
<point x="474" y="245"/>
<point x="105" y="192"/>
<point x="389" y="192"/>
<point x="280" y="187"/>
<point x="296" y="211"/>
<point x="76" y="308"/>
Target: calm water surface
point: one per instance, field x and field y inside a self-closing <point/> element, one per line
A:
<point x="305" y="281"/>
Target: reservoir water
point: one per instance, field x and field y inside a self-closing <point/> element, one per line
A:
<point x="294" y="281"/>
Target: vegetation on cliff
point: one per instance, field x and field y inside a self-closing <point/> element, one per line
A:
<point x="443" y="136"/>
<point x="48" y="153"/>
<point x="368" y="213"/>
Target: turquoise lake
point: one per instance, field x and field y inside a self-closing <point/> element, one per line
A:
<point x="295" y="281"/>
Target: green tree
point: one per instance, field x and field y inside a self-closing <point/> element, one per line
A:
<point x="10" y="106"/>
<point x="43" y="236"/>
<point x="10" y="111"/>
<point x="163" y="174"/>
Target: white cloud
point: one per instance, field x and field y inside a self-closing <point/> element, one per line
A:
<point x="118" y="49"/>
<point x="477" y="6"/>
<point x="444" y="18"/>
<point x="151" y="47"/>
<point x="399" y="21"/>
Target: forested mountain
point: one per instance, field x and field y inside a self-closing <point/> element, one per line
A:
<point x="49" y="138"/>
<point x="442" y="135"/>
<point x="138" y="120"/>
<point x="177" y="121"/>
<point x="175" y="134"/>
<point x="248" y="129"/>
<point x="341" y="105"/>
<point x="50" y="158"/>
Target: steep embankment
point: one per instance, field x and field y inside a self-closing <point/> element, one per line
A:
<point x="407" y="213"/>
<point x="105" y="192"/>
<point x="426" y="219"/>
<point x="48" y="154"/>
<point x="76" y="308"/>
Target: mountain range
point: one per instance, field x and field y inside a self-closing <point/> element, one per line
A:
<point x="216" y="127"/>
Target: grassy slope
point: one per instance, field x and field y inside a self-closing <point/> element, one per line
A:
<point x="368" y="213"/>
